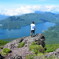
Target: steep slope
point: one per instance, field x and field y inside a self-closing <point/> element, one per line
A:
<point x="53" y="33"/>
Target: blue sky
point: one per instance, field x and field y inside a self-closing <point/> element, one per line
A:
<point x="5" y="2"/>
<point x="15" y="7"/>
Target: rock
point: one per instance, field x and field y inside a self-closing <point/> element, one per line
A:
<point x="50" y="54"/>
<point x="13" y="44"/>
<point x="57" y="50"/>
<point x="27" y="40"/>
<point x="57" y="54"/>
<point x="19" y="53"/>
<point x="13" y="56"/>
<point x="40" y="40"/>
<point x="1" y="57"/>
<point x="16" y="57"/>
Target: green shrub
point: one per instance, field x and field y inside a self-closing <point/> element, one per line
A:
<point x="21" y="44"/>
<point x="40" y="54"/>
<point x="30" y="57"/>
<point x="33" y="43"/>
<point x="5" y="51"/>
<point x="36" y="48"/>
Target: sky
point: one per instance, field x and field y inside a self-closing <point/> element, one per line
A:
<point x="19" y="7"/>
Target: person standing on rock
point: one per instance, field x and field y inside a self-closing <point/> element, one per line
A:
<point x="32" y="29"/>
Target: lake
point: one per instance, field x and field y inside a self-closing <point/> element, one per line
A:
<point x="8" y="35"/>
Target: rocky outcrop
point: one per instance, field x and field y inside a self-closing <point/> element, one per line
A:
<point x="20" y="53"/>
<point x="14" y="43"/>
<point x="27" y="40"/>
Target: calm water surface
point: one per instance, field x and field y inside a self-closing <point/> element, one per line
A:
<point x="23" y="31"/>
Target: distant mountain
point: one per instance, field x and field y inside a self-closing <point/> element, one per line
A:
<point x="14" y="22"/>
<point x="3" y="17"/>
<point x="39" y="12"/>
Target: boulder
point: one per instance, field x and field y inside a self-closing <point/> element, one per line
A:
<point x="19" y="53"/>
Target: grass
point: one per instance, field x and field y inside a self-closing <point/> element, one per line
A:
<point x="21" y="44"/>
<point x="51" y="47"/>
<point x="3" y="42"/>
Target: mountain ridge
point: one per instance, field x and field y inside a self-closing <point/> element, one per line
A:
<point x="14" y="22"/>
<point x="2" y="17"/>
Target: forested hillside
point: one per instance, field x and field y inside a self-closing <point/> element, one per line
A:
<point x="15" y="22"/>
<point x="52" y="35"/>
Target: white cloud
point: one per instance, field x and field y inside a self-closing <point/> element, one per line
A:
<point x="29" y="9"/>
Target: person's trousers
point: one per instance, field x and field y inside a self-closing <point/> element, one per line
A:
<point x="32" y="32"/>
